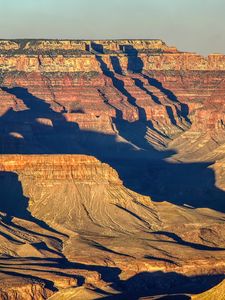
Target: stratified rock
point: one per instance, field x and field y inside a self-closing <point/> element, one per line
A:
<point x="85" y="200"/>
<point x="14" y="287"/>
<point x="91" y="194"/>
<point x="122" y="185"/>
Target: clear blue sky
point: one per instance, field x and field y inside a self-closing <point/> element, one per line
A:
<point x="192" y="25"/>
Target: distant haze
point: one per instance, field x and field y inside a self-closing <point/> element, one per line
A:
<point x="190" y="25"/>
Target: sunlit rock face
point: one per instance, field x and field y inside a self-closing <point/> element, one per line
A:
<point x="96" y="84"/>
<point x="112" y="162"/>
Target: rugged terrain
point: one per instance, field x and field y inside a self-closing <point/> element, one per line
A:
<point x="112" y="171"/>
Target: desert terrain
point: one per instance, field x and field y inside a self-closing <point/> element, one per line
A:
<point x="112" y="171"/>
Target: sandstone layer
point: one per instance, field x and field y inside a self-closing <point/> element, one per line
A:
<point x="112" y="170"/>
<point x="68" y="219"/>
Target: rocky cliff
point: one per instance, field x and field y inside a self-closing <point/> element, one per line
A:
<point x="111" y="169"/>
<point x="94" y="198"/>
<point x="66" y="218"/>
<point x="131" y="80"/>
<point x="79" y="56"/>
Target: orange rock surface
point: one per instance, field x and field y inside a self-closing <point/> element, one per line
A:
<point x="112" y="180"/>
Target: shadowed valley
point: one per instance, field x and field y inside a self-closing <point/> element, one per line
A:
<point x="111" y="171"/>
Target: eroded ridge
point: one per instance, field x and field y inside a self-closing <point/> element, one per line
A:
<point x="111" y="170"/>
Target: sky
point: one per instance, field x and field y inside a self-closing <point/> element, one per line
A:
<point x="190" y="25"/>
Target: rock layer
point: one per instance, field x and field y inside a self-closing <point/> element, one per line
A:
<point x="121" y="190"/>
<point x="100" y="224"/>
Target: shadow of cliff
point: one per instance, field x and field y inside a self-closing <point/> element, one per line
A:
<point x="176" y="239"/>
<point x="119" y="85"/>
<point x="136" y="65"/>
<point x="141" y="167"/>
<point x="13" y="202"/>
<point x="170" y="285"/>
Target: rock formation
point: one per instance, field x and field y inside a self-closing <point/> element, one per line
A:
<point x="112" y="167"/>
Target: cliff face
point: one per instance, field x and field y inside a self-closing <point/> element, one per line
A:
<point x="131" y="80"/>
<point x="94" y="198"/>
<point x="75" y="222"/>
<point x="124" y="181"/>
<point x="78" y="56"/>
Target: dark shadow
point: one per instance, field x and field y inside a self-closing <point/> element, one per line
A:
<point x="183" y="110"/>
<point x="14" y="203"/>
<point x="144" y="284"/>
<point x="116" y="65"/>
<point x="119" y="113"/>
<point x="140" y="84"/>
<point x="119" y="85"/>
<point x="8" y="237"/>
<point x="108" y="274"/>
<point x="15" y="267"/>
<point x="79" y="111"/>
<point x="185" y="183"/>
<point x="135" y="64"/>
<point x="156" y="83"/>
<point x="169" y="285"/>
<point x="97" y="47"/>
<point x="171" y="115"/>
<point x="180" y="241"/>
<point x="135" y="131"/>
<point x="179" y="183"/>
<point x="47" y="283"/>
<point x="170" y="261"/>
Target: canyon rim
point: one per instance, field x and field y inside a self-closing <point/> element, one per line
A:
<point x="112" y="170"/>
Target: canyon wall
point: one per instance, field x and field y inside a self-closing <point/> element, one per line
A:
<point x="111" y="169"/>
<point x="68" y="221"/>
<point x="79" y="56"/>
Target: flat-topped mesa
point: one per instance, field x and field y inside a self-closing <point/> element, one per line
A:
<point x="127" y="46"/>
<point x="51" y="45"/>
<point x="82" y="56"/>
<point x="89" y="193"/>
<point x="118" y="45"/>
<point x="38" y="46"/>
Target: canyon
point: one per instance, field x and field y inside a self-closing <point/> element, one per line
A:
<point x="112" y="171"/>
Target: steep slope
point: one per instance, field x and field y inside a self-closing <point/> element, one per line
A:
<point x="109" y="87"/>
<point x="121" y="190"/>
<point x="101" y="227"/>
<point x="91" y="194"/>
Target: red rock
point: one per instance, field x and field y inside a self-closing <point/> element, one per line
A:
<point x="71" y="218"/>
